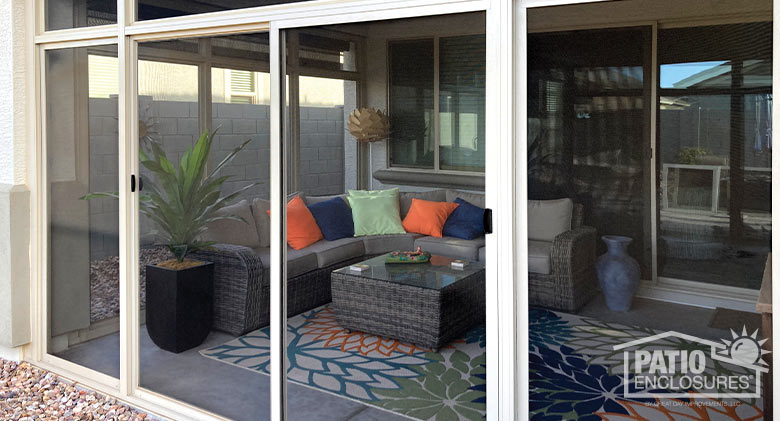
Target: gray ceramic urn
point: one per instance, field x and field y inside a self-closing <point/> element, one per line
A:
<point x="618" y="273"/>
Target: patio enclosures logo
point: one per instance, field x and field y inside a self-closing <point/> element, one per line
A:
<point x="731" y="369"/>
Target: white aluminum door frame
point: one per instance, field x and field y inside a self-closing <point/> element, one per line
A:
<point x="500" y="292"/>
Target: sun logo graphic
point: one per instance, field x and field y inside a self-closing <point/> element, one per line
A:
<point x="677" y="365"/>
<point x="747" y="349"/>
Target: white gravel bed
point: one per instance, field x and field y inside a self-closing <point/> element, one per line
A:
<point x="31" y="393"/>
<point x="104" y="282"/>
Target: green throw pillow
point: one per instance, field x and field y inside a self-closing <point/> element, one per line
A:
<point x="374" y="193"/>
<point x="375" y="214"/>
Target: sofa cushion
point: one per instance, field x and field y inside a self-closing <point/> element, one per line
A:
<point x="373" y="193"/>
<point x="262" y="220"/>
<point x="332" y="252"/>
<point x="452" y="247"/>
<point x="466" y="221"/>
<point x="298" y="261"/>
<point x="302" y="228"/>
<point x="475" y="198"/>
<point x="405" y="199"/>
<point x="230" y="231"/>
<point x="378" y="244"/>
<point x="375" y="213"/>
<point x="310" y="200"/>
<point x="548" y="218"/>
<point x="334" y="217"/>
<point x="539" y="256"/>
<point x="426" y="217"/>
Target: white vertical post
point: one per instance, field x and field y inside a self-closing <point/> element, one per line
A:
<point x="502" y="261"/>
<point x="129" y="320"/>
<point x="521" y="208"/>
<point x="278" y="167"/>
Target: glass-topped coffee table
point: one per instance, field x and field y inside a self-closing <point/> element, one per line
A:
<point x="427" y="304"/>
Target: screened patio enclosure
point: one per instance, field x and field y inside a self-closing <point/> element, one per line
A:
<point x="692" y="188"/>
<point x="222" y="85"/>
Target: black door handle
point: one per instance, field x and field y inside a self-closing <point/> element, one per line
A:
<point x="132" y="182"/>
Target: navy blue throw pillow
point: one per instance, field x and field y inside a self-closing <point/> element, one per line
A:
<point x="466" y="221"/>
<point x="334" y="217"/>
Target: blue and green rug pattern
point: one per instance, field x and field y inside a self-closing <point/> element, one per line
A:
<point x="574" y="372"/>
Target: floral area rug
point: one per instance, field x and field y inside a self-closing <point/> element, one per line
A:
<point x="385" y="373"/>
<point x="575" y="373"/>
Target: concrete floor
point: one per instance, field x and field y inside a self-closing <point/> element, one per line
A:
<point x="241" y="394"/>
<point x="659" y="315"/>
<point x="227" y="390"/>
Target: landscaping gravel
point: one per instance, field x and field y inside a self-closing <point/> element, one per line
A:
<point x="31" y="393"/>
<point x="104" y="282"/>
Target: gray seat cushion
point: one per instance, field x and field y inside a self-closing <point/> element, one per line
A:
<point x="229" y="231"/>
<point x="539" y="256"/>
<point x="405" y="199"/>
<point x="263" y="220"/>
<point x="476" y="199"/>
<point x="332" y="252"/>
<point x="378" y="244"/>
<point x="481" y="254"/>
<point x="310" y="200"/>
<point x="452" y="247"/>
<point x="549" y="218"/>
<point x="298" y="261"/>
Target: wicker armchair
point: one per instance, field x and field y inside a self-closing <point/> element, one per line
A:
<point x="242" y="289"/>
<point x="572" y="279"/>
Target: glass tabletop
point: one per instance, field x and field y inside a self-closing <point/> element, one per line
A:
<point x="436" y="274"/>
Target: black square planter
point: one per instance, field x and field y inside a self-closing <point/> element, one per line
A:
<point x="179" y="306"/>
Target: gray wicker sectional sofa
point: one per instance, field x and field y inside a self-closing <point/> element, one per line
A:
<point x="242" y="260"/>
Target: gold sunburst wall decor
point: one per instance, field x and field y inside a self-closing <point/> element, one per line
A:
<point x="368" y="125"/>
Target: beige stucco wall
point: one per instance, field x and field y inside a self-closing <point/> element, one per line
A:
<point x="14" y="193"/>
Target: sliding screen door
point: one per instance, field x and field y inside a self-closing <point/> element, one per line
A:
<point x="83" y="233"/>
<point x="204" y="182"/>
<point x="588" y="129"/>
<point x="715" y="153"/>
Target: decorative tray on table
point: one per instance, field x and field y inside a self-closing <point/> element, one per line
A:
<point x="417" y="256"/>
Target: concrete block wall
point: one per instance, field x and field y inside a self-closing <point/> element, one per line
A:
<point x="103" y="176"/>
<point x="322" y="151"/>
<point x="175" y="125"/>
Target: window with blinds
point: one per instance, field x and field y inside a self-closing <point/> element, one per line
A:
<point x="243" y="87"/>
<point x="459" y="89"/>
<point x="462" y="103"/>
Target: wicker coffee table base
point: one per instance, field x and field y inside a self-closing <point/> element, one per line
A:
<point x="428" y="318"/>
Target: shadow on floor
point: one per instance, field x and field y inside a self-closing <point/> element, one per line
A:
<point x="659" y="315"/>
<point x="224" y="389"/>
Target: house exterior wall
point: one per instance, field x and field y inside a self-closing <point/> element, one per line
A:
<point x="14" y="193"/>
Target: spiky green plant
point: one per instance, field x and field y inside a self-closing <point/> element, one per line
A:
<point x="183" y="201"/>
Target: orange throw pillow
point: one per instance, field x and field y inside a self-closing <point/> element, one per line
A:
<point x="302" y="228"/>
<point x="428" y="218"/>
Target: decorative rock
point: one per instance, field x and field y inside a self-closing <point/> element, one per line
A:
<point x="30" y="393"/>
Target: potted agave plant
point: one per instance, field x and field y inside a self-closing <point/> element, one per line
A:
<point x="182" y="202"/>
